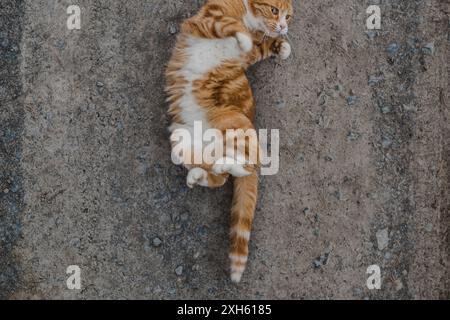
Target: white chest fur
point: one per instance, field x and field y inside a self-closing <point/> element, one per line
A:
<point x="203" y="55"/>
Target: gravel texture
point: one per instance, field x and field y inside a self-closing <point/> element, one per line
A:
<point x="86" y="177"/>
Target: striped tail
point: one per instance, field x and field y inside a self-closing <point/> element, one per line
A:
<point x="242" y="212"/>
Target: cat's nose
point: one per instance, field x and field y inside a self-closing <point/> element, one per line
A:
<point x="283" y="28"/>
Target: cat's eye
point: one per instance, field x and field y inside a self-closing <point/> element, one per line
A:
<point x="288" y="17"/>
<point x="275" y="11"/>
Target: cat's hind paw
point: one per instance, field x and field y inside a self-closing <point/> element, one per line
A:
<point x="197" y="176"/>
<point x="229" y="165"/>
<point x="245" y="41"/>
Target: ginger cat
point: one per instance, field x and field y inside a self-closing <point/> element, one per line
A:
<point x="206" y="83"/>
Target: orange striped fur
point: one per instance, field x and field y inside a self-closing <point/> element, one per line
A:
<point x="206" y="81"/>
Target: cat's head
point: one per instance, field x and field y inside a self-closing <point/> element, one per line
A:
<point x="274" y="15"/>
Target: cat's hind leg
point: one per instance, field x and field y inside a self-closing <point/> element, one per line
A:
<point x="201" y="177"/>
<point x="231" y="166"/>
<point x="240" y="143"/>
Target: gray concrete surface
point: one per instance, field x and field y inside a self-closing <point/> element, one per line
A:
<point x="86" y="177"/>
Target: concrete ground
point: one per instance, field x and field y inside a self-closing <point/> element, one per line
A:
<point x="86" y="177"/>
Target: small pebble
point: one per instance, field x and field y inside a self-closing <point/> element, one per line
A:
<point x="157" y="242"/>
<point x="409" y="107"/>
<point x="173" y="28"/>
<point x="322" y="100"/>
<point x="375" y="79"/>
<point x="352" y="136"/>
<point x="387" y="142"/>
<point x="212" y="290"/>
<point x="172" y="291"/>
<point x="429" y="227"/>
<point x="4" y="42"/>
<point x="382" y="238"/>
<point x="371" y="34"/>
<point x="338" y="195"/>
<point x="100" y="84"/>
<point x="428" y="48"/>
<point x="322" y="260"/>
<point x="179" y="270"/>
<point x="385" y="109"/>
<point x="339" y="88"/>
<point x="393" y="48"/>
<point x="280" y="104"/>
<point x="351" y="100"/>
<point x="60" y="44"/>
<point x="75" y="242"/>
<point x="317" y="264"/>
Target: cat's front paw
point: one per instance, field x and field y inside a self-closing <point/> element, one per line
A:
<point x="245" y="41"/>
<point x="197" y="176"/>
<point x="285" y="50"/>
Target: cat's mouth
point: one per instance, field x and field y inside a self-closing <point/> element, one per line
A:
<point x="283" y="32"/>
<point x="276" y="34"/>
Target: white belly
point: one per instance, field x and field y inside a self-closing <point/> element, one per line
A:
<point x="202" y="56"/>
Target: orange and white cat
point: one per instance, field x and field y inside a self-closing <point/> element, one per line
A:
<point x="206" y="83"/>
